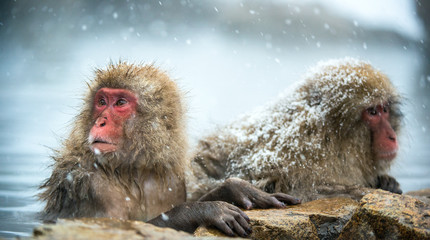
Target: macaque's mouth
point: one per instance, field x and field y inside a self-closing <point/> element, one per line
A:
<point x="101" y="141"/>
<point x="101" y="146"/>
<point x="388" y="156"/>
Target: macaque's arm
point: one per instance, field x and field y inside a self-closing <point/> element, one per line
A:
<point x="245" y="195"/>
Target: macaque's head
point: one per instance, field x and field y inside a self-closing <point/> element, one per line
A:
<point x="133" y="113"/>
<point x="359" y="106"/>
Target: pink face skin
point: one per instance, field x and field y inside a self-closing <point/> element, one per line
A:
<point x="384" y="138"/>
<point x="112" y="107"/>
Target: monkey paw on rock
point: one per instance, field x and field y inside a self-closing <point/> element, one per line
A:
<point x="188" y="216"/>
<point x="243" y="194"/>
<point x="388" y="183"/>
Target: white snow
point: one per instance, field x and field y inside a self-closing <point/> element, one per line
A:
<point x="69" y="177"/>
<point x="164" y="217"/>
<point x="97" y="151"/>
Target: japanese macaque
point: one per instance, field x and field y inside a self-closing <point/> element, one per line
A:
<point x="126" y="155"/>
<point x="335" y="134"/>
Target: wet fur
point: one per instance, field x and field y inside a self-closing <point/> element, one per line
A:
<point x="85" y="185"/>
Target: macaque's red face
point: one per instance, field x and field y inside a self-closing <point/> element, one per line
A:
<point x="111" y="109"/>
<point x="384" y="138"/>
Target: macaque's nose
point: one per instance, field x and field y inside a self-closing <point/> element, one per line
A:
<point x="101" y="122"/>
<point x="389" y="131"/>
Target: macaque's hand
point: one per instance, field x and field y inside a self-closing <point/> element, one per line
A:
<point x="188" y="216"/>
<point x="245" y="195"/>
<point x="386" y="182"/>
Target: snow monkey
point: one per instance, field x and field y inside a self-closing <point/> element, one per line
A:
<point x="335" y="133"/>
<point x="126" y="155"/>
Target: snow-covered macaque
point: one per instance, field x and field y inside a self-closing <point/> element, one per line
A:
<point x="334" y="134"/>
<point x="126" y="156"/>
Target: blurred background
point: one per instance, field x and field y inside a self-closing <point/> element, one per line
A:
<point x="229" y="56"/>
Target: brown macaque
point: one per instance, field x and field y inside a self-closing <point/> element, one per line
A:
<point x="126" y="156"/>
<point x="334" y="134"/>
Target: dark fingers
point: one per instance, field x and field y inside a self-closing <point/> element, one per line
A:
<point x="246" y="203"/>
<point x="244" y="223"/>
<point x="237" y="210"/>
<point x="223" y="227"/>
<point x="238" y="229"/>
<point x="288" y="199"/>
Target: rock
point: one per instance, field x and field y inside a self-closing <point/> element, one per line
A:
<point x="384" y="215"/>
<point x="420" y="193"/>
<point x="104" y="228"/>
<point x="378" y="215"/>
<point x="320" y="219"/>
<point x="423" y="195"/>
<point x="208" y="232"/>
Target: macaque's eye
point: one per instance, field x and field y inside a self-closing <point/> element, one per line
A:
<point x="385" y="109"/>
<point x="121" y="102"/>
<point x="372" y="111"/>
<point x="101" y="102"/>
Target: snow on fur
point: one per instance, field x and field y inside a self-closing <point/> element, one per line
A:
<point x="304" y="136"/>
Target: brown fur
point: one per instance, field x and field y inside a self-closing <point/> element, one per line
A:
<point x="306" y="142"/>
<point x="141" y="180"/>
